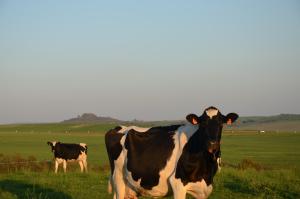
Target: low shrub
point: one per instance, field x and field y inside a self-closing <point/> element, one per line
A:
<point x="16" y="163"/>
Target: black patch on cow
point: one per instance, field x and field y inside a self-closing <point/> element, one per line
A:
<point x="113" y="145"/>
<point x="148" y="153"/>
<point x="195" y="162"/>
<point x="68" y="151"/>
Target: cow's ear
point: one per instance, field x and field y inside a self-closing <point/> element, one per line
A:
<point x="230" y="118"/>
<point x="49" y="143"/>
<point x="192" y="118"/>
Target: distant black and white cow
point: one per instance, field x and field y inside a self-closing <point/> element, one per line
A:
<point x="149" y="162"/>
<point x="64" y="153"/>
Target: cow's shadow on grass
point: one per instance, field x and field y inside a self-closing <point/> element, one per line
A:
<point x="25" y="190"/>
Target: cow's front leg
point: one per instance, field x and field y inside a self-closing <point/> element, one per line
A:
<point x="81" y="166"/>
<point x="56" y="166"/>
<point x="179" y="191"/>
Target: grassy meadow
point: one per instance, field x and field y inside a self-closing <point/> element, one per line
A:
<point x="255" y="165"/>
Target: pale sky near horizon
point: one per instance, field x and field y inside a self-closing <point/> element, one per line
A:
<point x="149" y="60"/>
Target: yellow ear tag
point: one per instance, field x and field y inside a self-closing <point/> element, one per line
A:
<point x="229" y="121"/>
<point x="194" y="121"/>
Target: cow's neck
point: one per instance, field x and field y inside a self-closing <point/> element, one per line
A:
<point x="195" y="163"/>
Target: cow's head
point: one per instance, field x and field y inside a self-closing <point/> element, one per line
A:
<point x="210" y="124"/>
<point x="52" y="144"/>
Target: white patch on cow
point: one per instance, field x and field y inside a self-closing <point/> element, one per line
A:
<point x="199" y="189"/>
<point x="179" y="190"/>
<point x="211" y="112"/>
<point x="72" y="160"/>
<point x="82" y="144"/>
<point x="219" y="164"/>
<point x="53" y="143"/>
<point x="125" y="129"/>
<point x="130" y="194"/>
<point x="182" y="140"/>
<point x="82" y="156"/>
<point x="59" y="160"/>
<point x="186" y="130"/>
<point x="119" y="186"/>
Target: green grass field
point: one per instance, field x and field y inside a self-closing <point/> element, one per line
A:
<point x="277" y="154"/>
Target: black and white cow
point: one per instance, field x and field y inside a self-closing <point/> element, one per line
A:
<point x="64" y="153"/>
<point x="149" y="162"/>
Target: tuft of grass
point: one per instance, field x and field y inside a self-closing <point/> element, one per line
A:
<point x="251" y="164"/>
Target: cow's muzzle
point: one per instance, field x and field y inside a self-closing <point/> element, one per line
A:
<point x="213" y="147"/>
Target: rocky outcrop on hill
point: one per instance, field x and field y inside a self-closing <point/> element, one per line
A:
<point x="91" y="118"/>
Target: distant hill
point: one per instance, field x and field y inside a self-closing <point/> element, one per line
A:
<point x="268" y="119"/>
<point x="92" y="118"/>
<point x="282" y="122"/>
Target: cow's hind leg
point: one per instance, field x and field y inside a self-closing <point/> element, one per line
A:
<point x="119" y="184"/>
<point x="110" y="187"/>
<point x="85" y="165"/>
<point x="65" y="165"/>
<point x="118" y="178"/>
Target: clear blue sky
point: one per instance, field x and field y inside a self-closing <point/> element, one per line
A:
<point x="148" y="60"/>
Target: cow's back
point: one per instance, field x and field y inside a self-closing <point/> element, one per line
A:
<point x="69" y="151"/>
